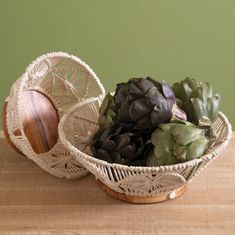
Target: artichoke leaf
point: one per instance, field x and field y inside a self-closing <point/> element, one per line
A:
<point x="186" y="91"/>
<point x="213" y="106"/>
<point x="185" y="134"/>
<point x="197" y="148"/>
<point x="199" y="93"/>
<point x="182" y="91"/>
<point x="198" y="108"/>
<point x="138" y="109"/>
<point x="106" y="112"/>
<point x="165" y="137"/>
<point x="143" y="124"/>
<point x="159" y="159"/>
<point x="167" y="91"/>
<point x="171" y="160"/>
<point x="180" y="152"/>
<point x="193" y="83"/>
<point x="105" y="103"/>
<point x="162" y="149"/>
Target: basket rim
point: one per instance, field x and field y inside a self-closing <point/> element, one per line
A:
<point x="23" y="78"/>
<point x="79" y="154"/>
<point x="63" y="55"/>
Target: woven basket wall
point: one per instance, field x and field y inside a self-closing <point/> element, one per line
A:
<point x="65" y="80"/>
<point x="133" y="181"/>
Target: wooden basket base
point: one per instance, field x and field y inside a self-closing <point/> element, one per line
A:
<point x="142" y="199"/>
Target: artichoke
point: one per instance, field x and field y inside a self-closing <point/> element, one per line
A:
<point x="117" y="146"/>
<point x="142" y="104"/>
<point x="176" y="142"/>
<point x="197" y="100"/>
<point x="106" y="112"/>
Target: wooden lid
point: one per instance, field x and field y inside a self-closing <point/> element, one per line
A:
<point x="40" y="122"/>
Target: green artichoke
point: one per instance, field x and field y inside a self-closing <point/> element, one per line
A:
<point x="117" y="146"/>
<point x="197" y="100"/>
<point x="142" y="104"/>
<point x="106" y="112"/>
<point x="176" y="142"/>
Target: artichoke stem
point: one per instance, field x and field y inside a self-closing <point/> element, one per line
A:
<point x="178" y="113"/>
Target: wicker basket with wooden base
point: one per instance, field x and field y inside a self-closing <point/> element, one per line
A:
<point x="51" y="85"/>
<point x="134" y="184"/>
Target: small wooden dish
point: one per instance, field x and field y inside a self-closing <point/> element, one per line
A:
<point x="142" y="199"/>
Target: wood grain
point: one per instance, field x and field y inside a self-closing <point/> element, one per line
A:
<point x="40" y="121"/>
<point x="34" y="202"/>
<point x="4" y="127"/>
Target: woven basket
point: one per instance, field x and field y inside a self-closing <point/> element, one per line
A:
<point x="134" y="184"/>
<point x="65" y="80"/>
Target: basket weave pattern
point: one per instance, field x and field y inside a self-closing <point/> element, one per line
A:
<point x="65" y="80"/>
<point x="133" y="181"/>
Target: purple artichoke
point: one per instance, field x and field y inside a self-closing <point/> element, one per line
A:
<point x="117" y="146"/>
<point x="142" y="104"/>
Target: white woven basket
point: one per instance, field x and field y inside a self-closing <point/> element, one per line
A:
<point x="65" y="80"/>
<point x="133" y="181"/>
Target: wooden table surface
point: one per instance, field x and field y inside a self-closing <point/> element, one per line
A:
<point x="35" y="202"/>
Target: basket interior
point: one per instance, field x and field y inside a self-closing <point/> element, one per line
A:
<point x="81" y="123"/>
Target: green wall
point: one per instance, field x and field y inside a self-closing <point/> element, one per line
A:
<point x="125" y="38"/>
